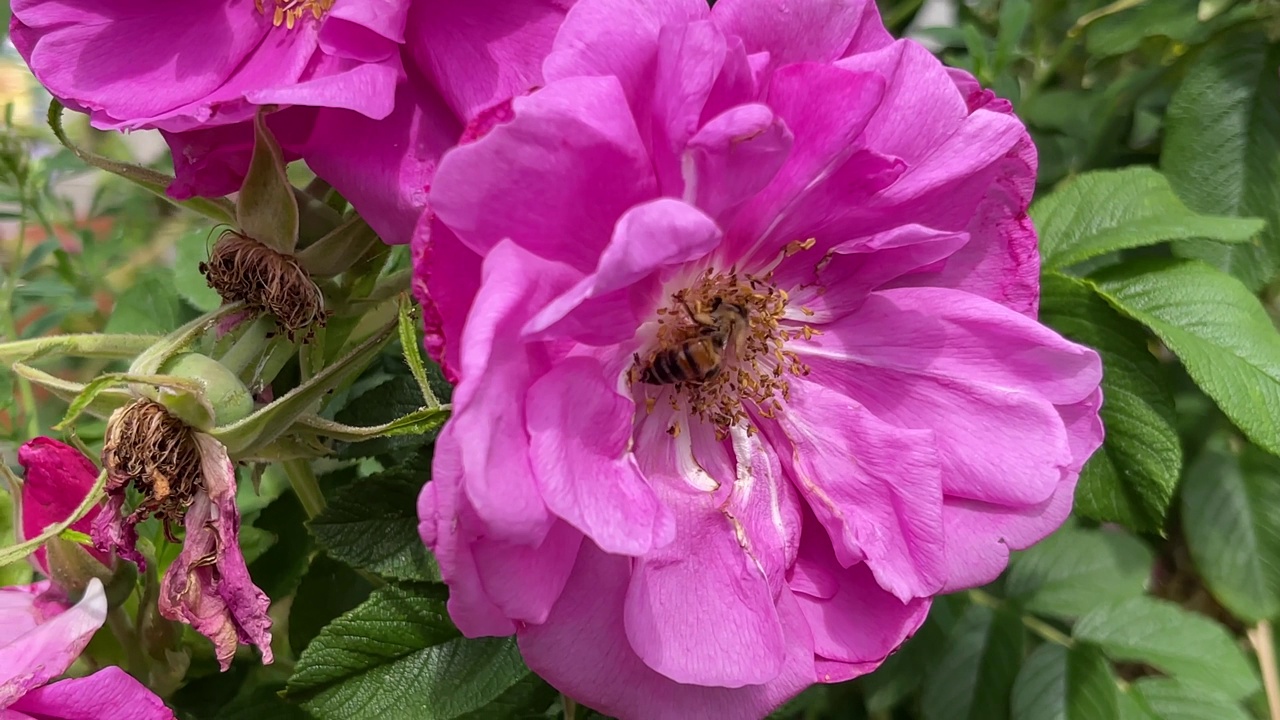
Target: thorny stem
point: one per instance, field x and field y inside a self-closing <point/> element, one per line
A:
<point x="304" y="483"/>
<point x="1034" y="624"/>
<point x="137" y="664"/>
<point x="1264" y="645"/>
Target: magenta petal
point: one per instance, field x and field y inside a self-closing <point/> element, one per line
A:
<point x="857" y="621"/>
<point x="849" y="273"/>
<point x="980" y="535"/>
<point x="616" y="38"/>
<point x="109" y="694"/>
<point x="211" y="162"/>
<point x="983" y="378"/>
<point x="446" y="276"/>
<point x="441" y="511"/>
<point x="826" y="109"/>
<point x="482" y="52"/>
<point x="57" y="479"/>
<point x="367" y="30"/>
<point x="763" y="507"/>
<point x="53" y="640"/>
<point x="919" y="88"/>
<point x="1001" y="262"/>
<point x="497" y="370"/>
<point x="554" y="179"/>
<point x="583" y="651"/>
<point x="793" y="31"/>
<point x="607" y="307"/>
<point x="700" y="610"/>
<point x="689" y="61"/>
<point x="734" y="156"/>
<point x="366" y="88"/>
<point x="112" y="531"/>
<point x="384" y="167"/>
<point x="884" y="509"/>
<point x="524" y="582"/>
<point x="579" y="436"/>
<point x="208" y="585"/>
<point x="89" y="52"/>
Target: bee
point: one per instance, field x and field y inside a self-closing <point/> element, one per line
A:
<point x="701" y="357"/>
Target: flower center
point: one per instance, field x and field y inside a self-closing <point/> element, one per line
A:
<point x="720" y="344"/>
<point x="289" y="12"/>
<point x="155" y="452"/>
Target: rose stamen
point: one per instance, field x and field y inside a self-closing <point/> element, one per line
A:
<point x="755" y="365"/>
<point x="289" y="12"/>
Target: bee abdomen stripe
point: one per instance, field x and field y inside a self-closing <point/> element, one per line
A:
<point x="661" y="371"/>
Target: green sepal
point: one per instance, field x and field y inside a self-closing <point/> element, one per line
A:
<point x="419" y="422"/>
<point x="266" y="209"/>
<point x="217" y="209"/>
<point x="339" y="250"/>
<point x="150" y="360"/>
<point x="84" y="345"/>
<point x="268" y="423"/>
<point x="101" y="405"/>
<point x="181" y="396"/>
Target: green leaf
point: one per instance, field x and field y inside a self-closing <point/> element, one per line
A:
<point x="192" y="249"/>
<point x="373" y="525"/>
<point x="1075" y="570"/>
<point x="527" y="699"/>
<point x="1133" y="707"/>
<point x="149" y="307"/>
<point x="397" y="657"/>
<point x="1132" y="478"/>
<point x="975" y="674"/>
<point x="1057" y="683"/>
<point x="1172" y="699"/>
<point x="1216" y="328"/>
<point x="327" y="590"/>
<point x="1231" y="520"/>
<point x="1221" y="148"/>
<point x="1179" y="642"/>
<point x="1108" y="210"/>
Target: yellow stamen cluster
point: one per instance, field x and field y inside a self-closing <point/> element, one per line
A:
<point x="755" y="364"/>
<point x="289" y="12"/>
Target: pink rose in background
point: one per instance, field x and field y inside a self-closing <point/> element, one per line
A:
<point x="373" y="90"/>
<point x="41" y="635"/>
<point x="56" y="480"/>
<point x="777" y="190"/>
<point x="134" y="64"/>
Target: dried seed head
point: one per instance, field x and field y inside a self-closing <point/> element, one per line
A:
<point x="156" y="453"/>
<point x="241" y="268"/>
